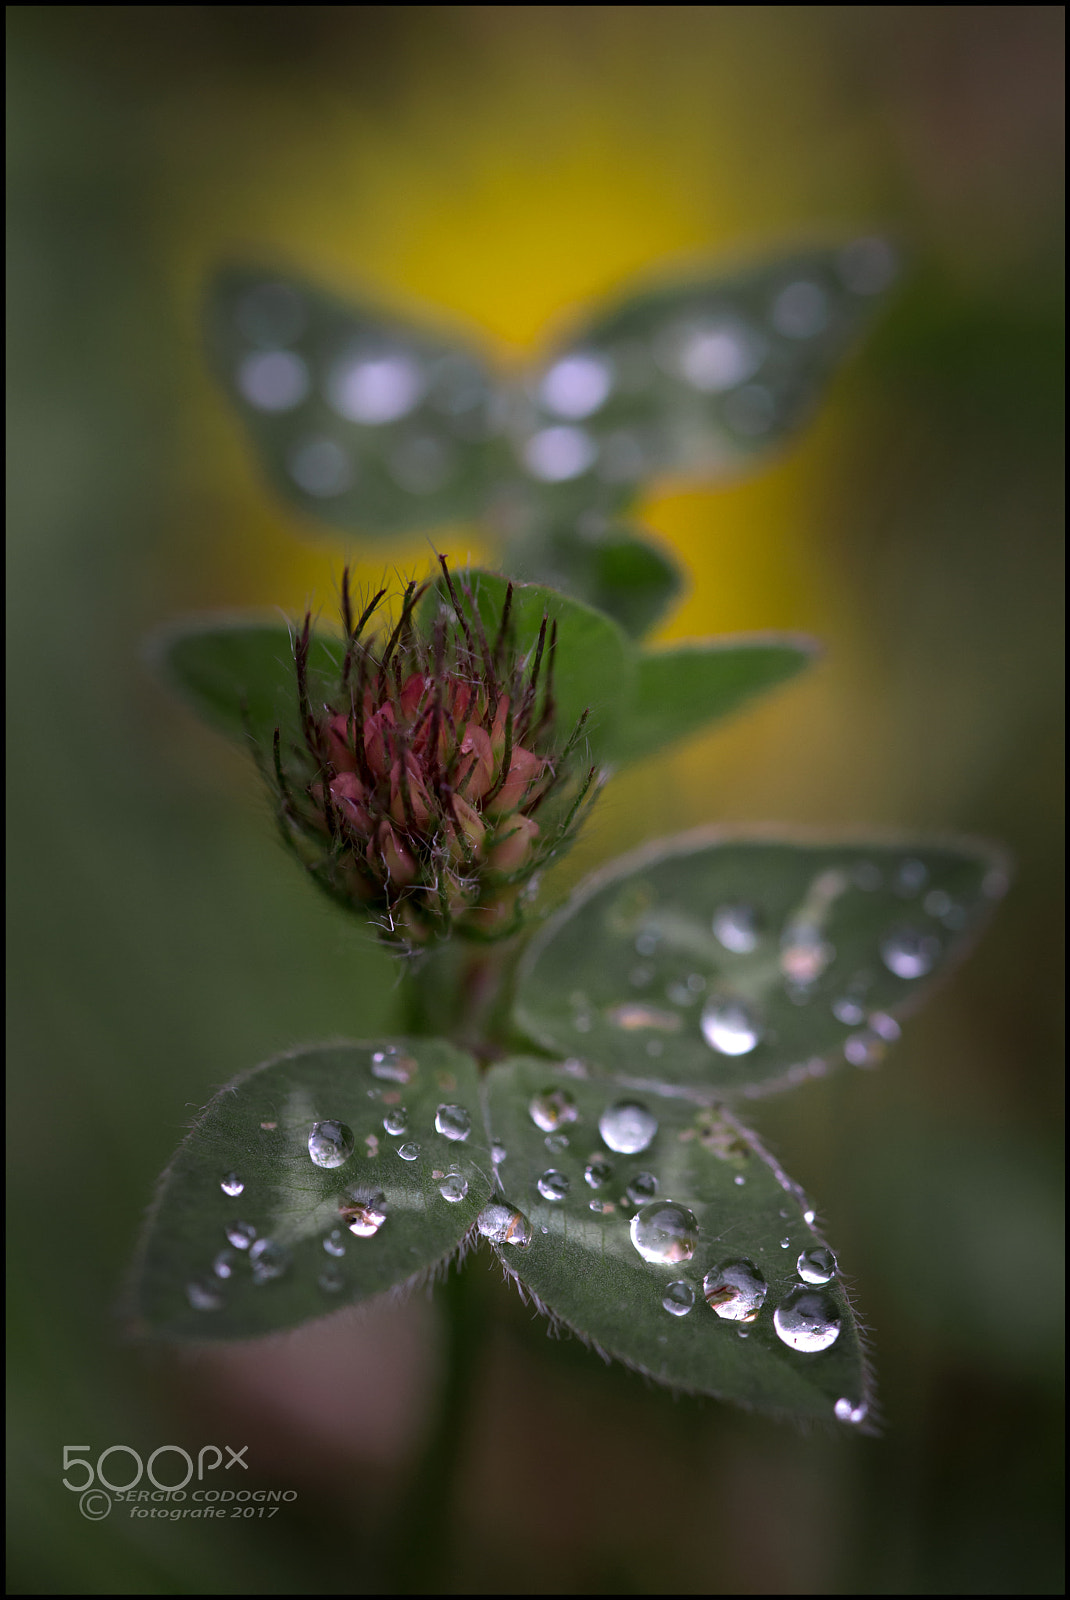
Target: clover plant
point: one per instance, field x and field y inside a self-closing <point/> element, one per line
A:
<point x="568" y="1091"/>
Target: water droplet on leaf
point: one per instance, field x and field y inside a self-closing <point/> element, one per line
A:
<point x="202" y="1298"/>
<point x="664" y="1233"/>
<point x="556" y="1142"/>
<point x="553" y="1185"/>
<point x="408" y="1152"/>
<point x="807" y="1320"/>
<point x="627" y="1127"/>
<point x="736" y="927"/>
<point x="597" y="1173"/>
<point x="330" y="1144"/>
<point x="334" y="1243"/>
<point x="729" y="1028"/>
<point x="396" y="1122"/>
<point x="363" y="1211"/>
<point x="241" y="1234"/>
<point x="269" y="1260"/>
<point x="817" y="1265"/>
<point x="224" y="1264"/>
<point x="909" y="953"/>
<point x="553" y="1109"/>
<point x="453" y="1123"/>
<point x="735" y="1291"/>
<point x="846" y="1412"/>
<point x="678" y="1298"/>
<point x="848" y="1011"/>
<point x="502" y="1225"/>
<point x="643" y="1187"/>
<point x="453" y="1187"/>
<point x="331" y="1280"/>
<point x="232" y="1185"/>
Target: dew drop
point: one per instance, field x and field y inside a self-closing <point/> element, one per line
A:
<point x="408" y="1152"/>
<point x="553" y="1185"/>
<point x="736" y="928"/>
<point x="241" y="1234"/>
<point x="273" y="380"/>
<point x="502" y="1225"/>
<point x="627" y="1127"/>
<point x="632" y="1018"/>
<point x="597" y="1174"/>
<point x="817" y="1265"/>
<point x="396" y="1122"/>
<point x="577" y="386"/>
<point x="556" y="455"/>
<point x="453" y="1187"/>
<point x="453" y="1123"/>
<point x="556" y="1142"/>
<point x="784" y="1243"/>
<point x="809" y="1217"/>
<point x="269" y="1260"/>
<point x="647" y="941"/>
<point x="553" y="1109"/>
<point x="863" y="1049"/>
<point x="729" y="1028"/>
<point x="232" y="1185"/>
<point x="498" y="1153"/>
<point x="392" y="1065"/>
<point x="885" y="1027"/>
<point x="807" y="1320"/>
<point x="800" y="311"/>
<point x="909" y="953"/>
<point x="716" y="356"/>
<point x="331" y="1280"/>
<point x="363" y="1211"/>
<point x="203" y="1298"/>
<point x="224" y="1264"/>
<point x="846" y="1412"/>
<point x="664" y="1234"/>
<point x="735" y="1291"/>
<point x="679" y="1297"/>
<point x="739" y="1179"/>
<point x="334" y="1242"/>
<point x="848" y="1011"/>
<point x="910" y="878"/>
<point x="330" y="1144"/>
<point x="804" y="954"/>
<point x="643" y="1187"/>
<point x="937" y="903"/>
<point x="321" y="467"/>
<point x="374" y="390"/>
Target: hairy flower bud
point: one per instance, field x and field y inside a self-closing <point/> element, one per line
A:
<point x="433" y="784"/>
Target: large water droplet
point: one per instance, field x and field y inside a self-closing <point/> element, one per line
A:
<point x="910" y="953"/>
<point x="364" y="1211"/>
<point x="643" y="1187"/>
<point x="627" y="1127"/>
<point x="735" y="1291"/>
<point x="678" y="1298"/>
<point x="553" y="1109"/>
<point x="736" y="927"/>
<point x="392" y="1065"/>
<point x="847" y="1412"/>
<point x="729" y="1028"/>
<point x="396" y="1122"/>
<point x="232" y="1185"/>
<point x="502" y="1225"/>
<point x="807" y="1320"/>
<point x="453" y="1187"/>
<point x="224" y="1264"/>
<point x="453" y="1123"/>
<point x="334" y="1242"/>
<point x="330" y="1144"/>
<point x="269" y="1260"/>
<point x="553" y="1185"/>
<point x="664" y="1233"/>
<point x="597" y="1173"/>
<point x="241" y="1234"/>
<point x="331" y="1280"/>
<point x="375" y="389"/>
<point x="203" y="1298"/>
<point x="408" y="1152"/>
<point x="817" y="1265"/>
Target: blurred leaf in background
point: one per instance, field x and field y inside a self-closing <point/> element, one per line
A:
<point x="508" y="166"/>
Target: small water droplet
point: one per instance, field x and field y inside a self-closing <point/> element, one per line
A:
<point x="363" y="1211"/>
<point x="232" y="1185"/>
<point x="392" y="1065"/>
<point x="269" y="1127"/>
<point x="937" y="902"/>
<point x="269" y="1260"/>
<point x="632" y="1018"/>
<point x="809" y="1217"/>
<point x="735" y="1291"/>
<point x="729" y="1028"/>
<point x="739" y="1180"/>
<point x="224" y="1264"/>
<point x="241" y="1234"/>
<point x="453" y="1123"/>
<point x="643" y="1187"/>
<point x="884" y="1026"/>
<point x="331" y="1280"/>
<point x="603" y="1207"/>
<point x="577" y="385"/>
<point x="646" y="942"/>
<point x="817" y="1265"/>
<point x="784" y="1243"/>
<point x="335" y="1243"/>
<point x="203" y="1298"/>
<point x="801" y="310"/>
<point x="847" y="1412"/>
<point x="553" y="1109"/>
<point x="910" y="878"/>
<point x="502" y="1225"/>
<point x="330" y="1144"/>
<point x="396" y="1122"/>
<point x="597" y="1173"/>
<point x="863" y="1049"/>
<point x="736" y="928"/>
<point x="453" y="1187"/>
<point x="909" y="953"/>
<point x="408" y="1152"/>
<point x="664" y="1233"/>
<point x="553" y="1185"/>
<point x="848" y="1011"/>
<point x="556" y="1142"/>
<point x="807" y="1320"/>
<point x="498" y="1153"/>
<point x="627" y="1127"/>
<point x="678" y="1298"/>
<point x="804" y="955"/>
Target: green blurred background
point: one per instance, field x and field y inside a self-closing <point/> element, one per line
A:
<point x="499" y="166"/>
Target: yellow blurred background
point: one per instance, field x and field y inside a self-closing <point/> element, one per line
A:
<point x="495" y="169"/>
